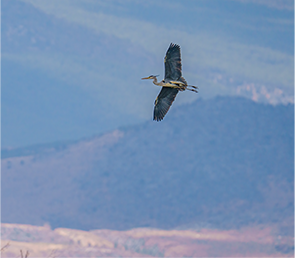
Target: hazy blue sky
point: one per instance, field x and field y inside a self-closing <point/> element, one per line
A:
<point x="72" y="68"/>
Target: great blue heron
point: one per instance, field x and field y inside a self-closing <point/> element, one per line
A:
<point x="172" y="83"/>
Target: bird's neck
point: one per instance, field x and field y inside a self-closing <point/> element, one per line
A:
<point x="155" y="81"/>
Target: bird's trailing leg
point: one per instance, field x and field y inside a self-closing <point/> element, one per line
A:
<point x="195" y="87"/>
<point x="183" y="86"/>
<point x="192" y="90"/>
<point x="180" y="83"/>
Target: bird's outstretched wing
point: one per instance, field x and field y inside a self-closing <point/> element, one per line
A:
<point x="163" y="102"/>
<point x="172" y="63"/>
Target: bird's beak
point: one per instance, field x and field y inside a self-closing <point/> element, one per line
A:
<point x="145" y="78"/>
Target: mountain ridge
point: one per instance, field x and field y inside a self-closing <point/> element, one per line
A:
<point x="225" y="162"/>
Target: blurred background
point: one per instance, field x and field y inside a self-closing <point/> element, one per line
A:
<point x="80" y="149"/>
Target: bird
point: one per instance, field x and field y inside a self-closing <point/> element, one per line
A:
<point x="173" y="82"/>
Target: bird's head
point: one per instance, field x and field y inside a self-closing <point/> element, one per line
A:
<point x="150" y="77"/>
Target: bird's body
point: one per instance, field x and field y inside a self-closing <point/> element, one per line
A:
<point x="181" y="85"/>
<point x="172" y="83"/>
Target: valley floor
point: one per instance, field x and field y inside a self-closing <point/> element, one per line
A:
<point x="42" y="241"/>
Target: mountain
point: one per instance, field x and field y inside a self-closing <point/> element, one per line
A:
<point x="221" y="163"/>
<point x="72" y="69"/>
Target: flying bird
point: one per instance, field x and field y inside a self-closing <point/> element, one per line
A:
<point x="172" y="83"/>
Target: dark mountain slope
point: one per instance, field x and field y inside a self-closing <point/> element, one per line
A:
<point x="208" y="161"/>
<point x="224" y="162"/>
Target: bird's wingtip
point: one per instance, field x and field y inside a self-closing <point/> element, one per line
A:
<point x="172" y="45"/>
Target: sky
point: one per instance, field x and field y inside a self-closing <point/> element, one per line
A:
<point x="72" y="68"/>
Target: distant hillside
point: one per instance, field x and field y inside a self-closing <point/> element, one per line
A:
<point x="224" y="162"/>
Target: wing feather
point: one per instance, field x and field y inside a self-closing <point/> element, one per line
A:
<point x="173" y="63"/>
<point x="163" y="102"/>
